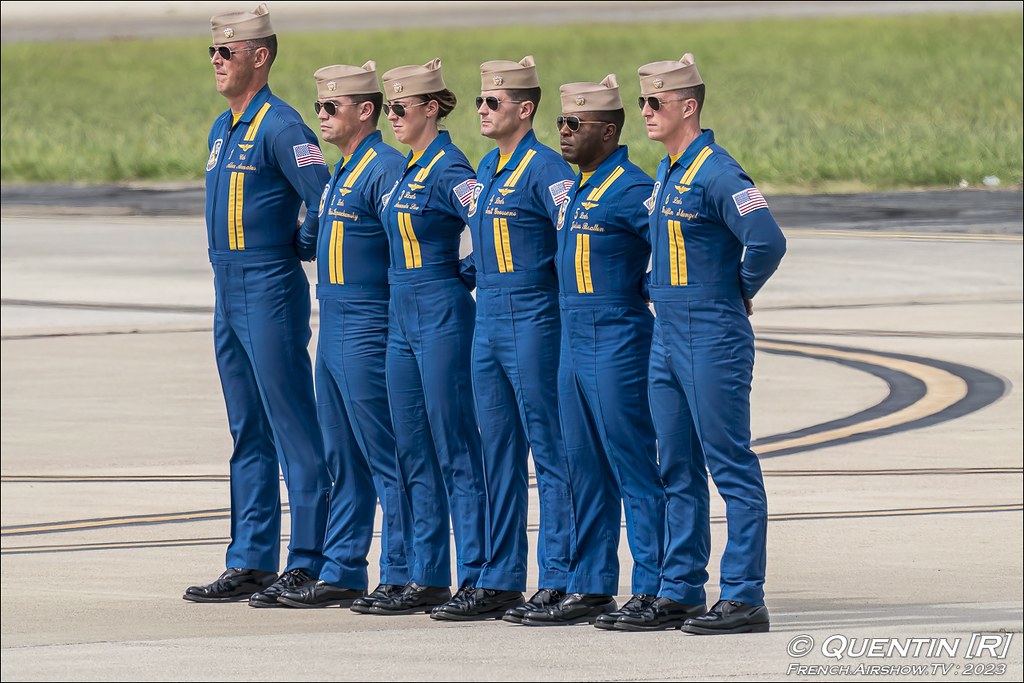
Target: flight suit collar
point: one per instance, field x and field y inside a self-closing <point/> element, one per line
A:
<point x="368" y="142"/>
<point x="617" y="157"/>
<point x="706" y="137"/>
<point x="526" y="144"/>
<point x="255" y="105"/>
<point x="443" y="139"/>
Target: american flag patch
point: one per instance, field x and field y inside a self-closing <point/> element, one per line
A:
<point x="464" y="191"/>
<point x="749" y="200"/>
<point x="307" y="155"/>
<point x="560" y="191"/>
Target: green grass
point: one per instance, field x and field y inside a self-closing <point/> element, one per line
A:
<point x="809" y="105"/>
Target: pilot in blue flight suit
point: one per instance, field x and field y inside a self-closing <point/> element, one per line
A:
<point x="606" y="334"/>
<point x="264" y="162"/>
<point x="352" y="395"/>
<point x="715" y="243"/>
<point x="429" y="342"/>
<point x="522" y="184"/>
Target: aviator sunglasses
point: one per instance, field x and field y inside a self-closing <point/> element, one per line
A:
<point x="225" y="52"/>
<point x="493" y="102"/>
<point x="654" y="102"/>
<point x="331" y="107"/>
<point x="573" y="122"/>
<point x="399" y="109"/>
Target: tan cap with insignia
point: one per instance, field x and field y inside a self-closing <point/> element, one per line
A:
<point x="603" y="96"/>
<point x="659" y="77"/>
<point x="404" y="81"/>
<point x="235" y="26"/>
<point x="342" y="79"/>
<point x="501" y="74"/>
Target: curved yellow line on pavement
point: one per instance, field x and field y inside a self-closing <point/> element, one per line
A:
<point x="942" y="389"/>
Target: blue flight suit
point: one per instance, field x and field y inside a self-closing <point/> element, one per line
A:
<point x="602" y="378"/>
<point x="259" y="172"/>
<point x="351" y="387"/>
<point x="704" y="211"/>
<point x="430" y="335"/>
<point x="515" y="356"/>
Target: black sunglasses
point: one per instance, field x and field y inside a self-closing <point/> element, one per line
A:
<point x="331" y="107"/>
<point x="225" y="52"/>
<point x="654" y="102"/>
<point x="573" y="122"/>
<point x="493" y="102"/>
<point x="399" y="109"/>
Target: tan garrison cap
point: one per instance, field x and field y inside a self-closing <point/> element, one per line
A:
<point x="342" y="79"/>
<point x="603" y="96"/>
<point x="501" y="74"/>
<point x="658" y="77"/>
<point x="404" y="81"/>
<point x="235" y="26"/>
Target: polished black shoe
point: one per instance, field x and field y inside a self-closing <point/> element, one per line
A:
<point x="319" y="594"/>
<point x="382" y="592"/>
<point x="575" y="608"/>
<point x="234" y="585"/>
<point x="290" y="580"/>
<point x="414" y="599"/>
<point x="542" y="599"/>
<point x="663" y="614"/>
<point x="638" y="603"/>
<point x="477" y="604"/>
<point x="728" y="616"/>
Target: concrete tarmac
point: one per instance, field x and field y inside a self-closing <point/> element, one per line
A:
<point x="887" y="410"/>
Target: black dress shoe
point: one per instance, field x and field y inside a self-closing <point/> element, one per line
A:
<point x="575" y="608"/>
<point x="638" y="603"/>
<point x="414" y="599"/>
<point x="542" y="599"/>
<point x="728" y="616"/>
<point x="663" y="614"/>
<point x="290" y="580"/>
<point x="382" y="592"/>
<point x="234" y="585"/>
<point x="476" y="604"/>
<point x="319" y="594"/>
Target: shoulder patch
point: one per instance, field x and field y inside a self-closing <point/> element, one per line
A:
<point x="560" y="191"/>
<point x="749" y="200"/>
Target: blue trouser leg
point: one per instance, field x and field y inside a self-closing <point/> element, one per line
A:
<point x="611" y="346"/>
<point x="706" y="348"/>
<point x="438" y="443"/>
<point x="515" y="355"/>
<point x="419" y="473"/>
<point x="359" y="441"/>
<point x="261" y="334"/>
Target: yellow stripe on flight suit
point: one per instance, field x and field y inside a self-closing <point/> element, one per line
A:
<point x="584" y="283"/>
<point x="337" y="264"/>
<point x="596" y="193"/>
<point x="502" y="242"/>
<point x="676" y="244"/>
<point x="236" y="234"/>
<point x="360" y="167"/>
<point x="502" y="247"/>
<point x="250" y="134"/>
<point x="410" y="244"/>
<point x="676" y="253"/>
<point x="424" y="172"/>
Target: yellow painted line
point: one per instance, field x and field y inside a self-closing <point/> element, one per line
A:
<point x="90" y="524"/>
<point x="942" y="389"/>
<point x="865" y="234"/>
<point x="88" y="478"/>
<point x="781" y="517"/>
<point x="894" y="472"/>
